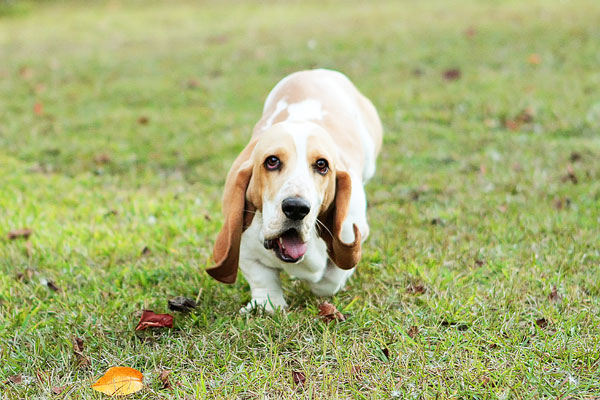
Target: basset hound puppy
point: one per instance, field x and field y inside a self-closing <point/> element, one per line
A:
<point x="294" y="198"/>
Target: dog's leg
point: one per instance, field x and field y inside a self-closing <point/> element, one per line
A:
<point x="265" y="286"/>
<point x="332" y="281"/>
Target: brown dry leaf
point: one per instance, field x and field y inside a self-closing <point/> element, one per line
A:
<point x="53" y="286"/>
<point x="151" y="320"/>
<point x="15" y="379"/>
<point x="82" y="361"/>
<point x="512" y="125"/>
<point x="452" y="74"/>
<point x="28" y="249"/>
<point x="298" y="377"/>
<point x="570" y="176"/>
<point x="413" y="331"/>
<point x="575" y="156"/>
<point x="534" y="59"/>
<point x="416" y="289"/>
<point x="470" y="32"/>
<point x="26" y="73"/>
<point x="164" y="379"/>
<point x="525" y="116"/>
<point x="328" y="312"/>
<point x="356" y="370"/>
<point x="118" y="381"/>
<point x="542" y="323"/>
<point x="561" y="203"/>
<point x="25" y="275"/>
<point x="554" y="296"/>
<point x="58" y="389"/>
<point x="182" y="304"/>
<point x="193" y="83"/>
<point x="143" y="120"/>
<point x="102" y="158"/>
<point x="38" y="108"/>
<point x="22" y="233"/>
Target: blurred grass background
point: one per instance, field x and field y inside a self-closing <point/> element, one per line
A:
<point x="119" y="121"/>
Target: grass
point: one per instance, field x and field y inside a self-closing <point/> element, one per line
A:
<point x="486" y="200"/>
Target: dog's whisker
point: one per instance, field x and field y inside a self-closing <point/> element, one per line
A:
<point x="324" y="227"/>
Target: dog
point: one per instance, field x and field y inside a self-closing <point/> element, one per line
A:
<point x="294" y="198"/>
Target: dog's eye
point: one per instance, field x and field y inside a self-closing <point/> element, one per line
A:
<point x="322" y="166"/>
<point x="272" y="163"/>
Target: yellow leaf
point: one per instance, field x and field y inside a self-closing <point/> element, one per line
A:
<point x="118" y="381"/>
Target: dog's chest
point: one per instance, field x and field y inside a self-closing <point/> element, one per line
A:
<point x="311" y="268"/>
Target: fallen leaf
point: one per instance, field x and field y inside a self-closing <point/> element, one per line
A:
<point x="570" y="176"/>
<point x="151" y="320"/>
<point x="512" y="125"/>
<point x="26" y="73"/>
<point x="58" y="389"/>
<point x="53" y="286"/>
<point x="437" y="221"/>
<point x="15" y="379"/>
<point x="193" y="83"/>
<point x="25" y="275"/>
<point x="413" y="331"/>
<point x="146" y="251"/>
<point x="534" y="59"/>
<point x="416" y="289"/>
<point x="81" y="359"/>
<point x="470" y="32"/>
<point x="119" y="381"/>
<point x="542" y="323"/>
<point x="554" y="296"/>
<point x="386" y="352"/>
<point x="182" y="304"/>
<point x="561" y="203"/>
<point x="298" y="377"/>
<point x="356" y="370"/>
<point x="19" y="233"/>
<point x="328" y="312"/>
<point x="102" y="158"/>
<point x="28" y="249"/>
<point x="575" y="156"/>
<point x="38" y="108"/>
<point x="164" y="379"/>
<point x="525" y="116"/>
<point x="452" y="74"/>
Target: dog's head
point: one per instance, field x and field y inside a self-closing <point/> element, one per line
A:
<point x="291" y="177"/>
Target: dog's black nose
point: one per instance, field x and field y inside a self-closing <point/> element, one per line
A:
<point x="295" y="208"/>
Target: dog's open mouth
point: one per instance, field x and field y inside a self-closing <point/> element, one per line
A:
<point x="289" y="247"/>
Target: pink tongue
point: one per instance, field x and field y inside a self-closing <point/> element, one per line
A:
<point x="294" y="247"/>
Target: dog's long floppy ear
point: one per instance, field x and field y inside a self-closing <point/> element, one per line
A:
<point x="238" y="215"/>
<point x="344" y="255"/>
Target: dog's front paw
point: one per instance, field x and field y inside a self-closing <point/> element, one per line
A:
<point x="268" y="304"/>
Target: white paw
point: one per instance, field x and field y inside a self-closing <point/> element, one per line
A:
<point x="264" y="304"/>
<point x="326" y="289"/>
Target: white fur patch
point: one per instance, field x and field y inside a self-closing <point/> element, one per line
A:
<point x="281" y="105"/>
<point x="305" y="110"/>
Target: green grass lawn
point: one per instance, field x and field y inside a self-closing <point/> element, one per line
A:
<point x="481" y="277"/>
